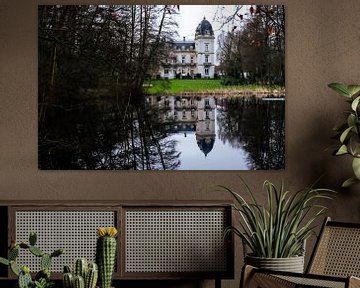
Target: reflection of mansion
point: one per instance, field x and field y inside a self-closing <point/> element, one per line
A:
<point x="191" y="59"/>
<point x="189" y="114"/>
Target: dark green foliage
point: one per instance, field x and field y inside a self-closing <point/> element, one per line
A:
<point x="57" y="252"/>
<point x="42" y="278"/>
<point x="45" y="261"/>
<point x="4" y="261"/>
<point x="32" y="239"/>
<point x="24" y="280"/>
<point x="91" y="276"/>
<point x="14" y="268"/>
<point x="68" y="280"/>
<point x="80" y="268"/>
<point x="13" y="253"/>
<point x="36" y="251"/>
<point x="79" y="282"/>
<point x="85" y="275"/>
<point x="279" y="228"/>
<point x="87" y="53"/>
<point x="349" y="132"/>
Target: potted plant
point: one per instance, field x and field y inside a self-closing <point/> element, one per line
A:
<point x="276" y="233"/>
<point x="42" y="278"/>
<point x="349" y="131"/>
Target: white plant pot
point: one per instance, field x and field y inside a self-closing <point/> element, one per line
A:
<point x="291" y="264"/>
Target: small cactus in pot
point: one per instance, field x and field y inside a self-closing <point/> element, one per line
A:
<point x="85" y="275"/>
<point x="106" y="254"/>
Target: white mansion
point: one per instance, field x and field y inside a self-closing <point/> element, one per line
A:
<point x="191" y="59"/>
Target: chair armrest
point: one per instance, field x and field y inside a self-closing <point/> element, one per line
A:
<point x="255" y="277"/>
<point x="354" y="282"/>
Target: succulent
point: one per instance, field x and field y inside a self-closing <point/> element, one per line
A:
<point x="85" y="275"/>
<point x="42" y="278"/>
<point x="106" y="254"/>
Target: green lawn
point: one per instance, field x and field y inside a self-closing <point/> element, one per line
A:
<point x="199" y="85"/>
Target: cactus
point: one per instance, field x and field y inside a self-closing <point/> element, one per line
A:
<point x="91" y="276"/>
<point x="45" y="261"/>
<point x="13" y="253"/>
<point x="36" y="251"/>
<point x="32" y="238"/>
<point x="24" y="280"/>
<point x="68" y="280"/>
<point x="79" y="282"/>
<point x="42" y="278"/>
<point x="105" y="254"/>
<point x="88" y="273"/>
<point x="80" y="268"/>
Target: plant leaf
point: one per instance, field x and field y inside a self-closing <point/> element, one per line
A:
<point x="355" y="103"/>
<point x="342" y="150"/>
<point x="340" y="88"/>
<point x="356" y="167"/>
<point x="345" y="134"/>
<point x="349" y="182"/>
<point x="353" y="89"/>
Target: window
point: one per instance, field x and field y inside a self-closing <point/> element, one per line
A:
<point x="192" y="60"/>
<point x="166" y="71"/>
<point x="206" y="71"/>
<point x="206" y="58"/>
<point x="182" y="59"/>
<point x="207" y="116"/>
<point x="206" y="47"/>
<point x="191" y="72"/>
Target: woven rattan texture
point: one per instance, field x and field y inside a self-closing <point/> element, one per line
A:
<point x="309" y="282"/>
<point x="75" y="231"/>
<point x="175" y="241"/>
<point x="338" y="253"/>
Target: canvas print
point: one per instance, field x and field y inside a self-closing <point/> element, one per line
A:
<point x="161" y="87"/>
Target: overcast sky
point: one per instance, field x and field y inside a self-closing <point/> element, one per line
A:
<point x="190" y="16"/>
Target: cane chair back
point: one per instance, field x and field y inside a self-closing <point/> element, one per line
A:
<point x="337" y="252"/>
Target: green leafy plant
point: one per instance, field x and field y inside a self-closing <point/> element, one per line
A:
<point x="279" y="229"/>
<point x="349" y="132"/>
<point x="42" y="278"/>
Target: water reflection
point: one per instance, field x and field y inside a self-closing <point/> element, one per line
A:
<point x="164" y="133"/>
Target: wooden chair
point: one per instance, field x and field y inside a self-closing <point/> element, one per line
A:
<point x="334" y="263"/>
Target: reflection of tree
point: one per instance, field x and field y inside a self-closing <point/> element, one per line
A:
<point x="256" y="125"/>
<point x="98" y="136"/>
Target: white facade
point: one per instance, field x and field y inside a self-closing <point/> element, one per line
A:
<point x="188" y="115"/>
<point x="191" y="59"/>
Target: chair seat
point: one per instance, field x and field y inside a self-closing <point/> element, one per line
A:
<point x="269" y="279"/>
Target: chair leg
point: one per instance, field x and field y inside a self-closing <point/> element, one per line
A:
<point x="246" y="274"/>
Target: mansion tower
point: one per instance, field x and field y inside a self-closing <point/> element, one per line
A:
<point x="191" y="59"/>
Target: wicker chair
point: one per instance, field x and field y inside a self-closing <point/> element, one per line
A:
<point x="334" y="263"/>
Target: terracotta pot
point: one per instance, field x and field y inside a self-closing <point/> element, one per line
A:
<point x="291" y="264"/>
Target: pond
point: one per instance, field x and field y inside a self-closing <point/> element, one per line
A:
<point x="197" y="132"/>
